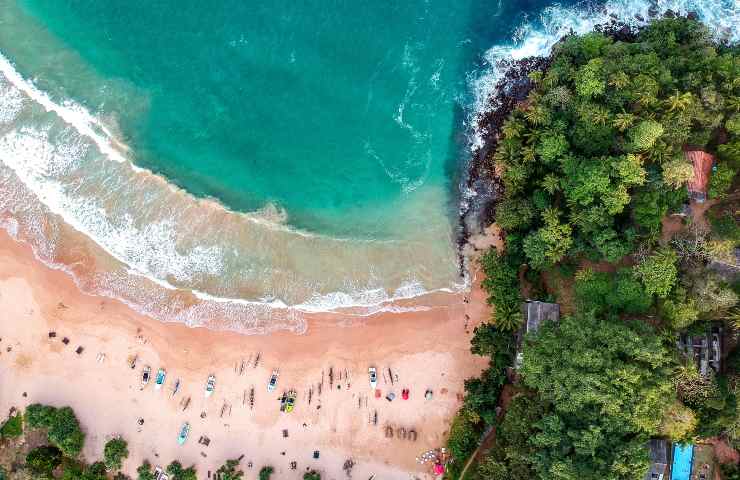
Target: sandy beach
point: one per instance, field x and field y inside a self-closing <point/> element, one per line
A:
<point x="420" y="349"/>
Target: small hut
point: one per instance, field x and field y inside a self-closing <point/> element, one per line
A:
<point x="659" y="452"/>
<point x="704" y="350"/>
<point x="536" y="313"/>
<point x="699" y="183"/>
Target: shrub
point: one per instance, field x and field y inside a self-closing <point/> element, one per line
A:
<point x="266" y="472"/>
<point x="177" y="472"/>
<point x="43" y="460"/>
<point x="13" y="427"/>
<point x="65" y="432"/>
<point x="144" y="471"/>
<point x="40" y="416"/>
<point x="721" y="181"/>
<point x="115" y="451"/>
<point x="658" y="272"/>
<point x="229" y="471"/>
<point x="312" y="475"/>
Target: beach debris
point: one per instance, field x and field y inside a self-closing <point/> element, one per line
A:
<point x="210" y="385"/>
<point x="331" y="378"/>
<point x="161" y="376"/>
<point x="375" y="417"/>
<point x="242" y="367"/>
<point x="175" y="388"/>
<point x="390" y="397"/>
<point x="293" y="465"/>
<point x="244" y="397"/>
<point x="285" y="433"/>
<point x="52" y="334"/>
<point x="146" y="374"/>
<point x="224" y="407"/>
<point x="388" y="431"/>
<point x="203" y="440"/>
<point x="250" y="464"/>
<point x="65" y="341"/>
<point x="273" y="380"/>
<point x="390" y="375"/>
<point x="185" y="402"/>
<point x="184" y="432"/>
<point x="257" y="360"/>
<point x="316" y="454"/>
<point x="203" y="454"/>
<point x="100" y="358"/>
<point x="405" y="393"/>
<point x="79" y="350"/>
<point x="203" y="414"/>
<point x="347" y="467"/>
<point x="251" y="397"/>
<point x="412" y="435"/>
<point x="310" y="394"/>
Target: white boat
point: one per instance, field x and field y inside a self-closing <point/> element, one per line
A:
<point x="273" y="381"/>
<point x="210" y="385"/>
<point x="161" y="376"/>
<point x="146" y="375"/>
<point x="373" y="374"/>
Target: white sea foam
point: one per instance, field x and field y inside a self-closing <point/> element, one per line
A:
<point x="536" y="38"/>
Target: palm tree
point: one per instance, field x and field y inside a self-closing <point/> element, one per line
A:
<point x="512" y="128"/>
<point x="623" y="121"/>
<point x="679" y="101"/>
<point x="537" y="115"/>
<point x="528" y="154"/>
<point x="551" y="184"/>
<point x="600" y="116"/>
<point x="619" y="80"/>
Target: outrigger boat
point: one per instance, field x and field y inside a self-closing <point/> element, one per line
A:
<point x="161" y="376"/>
<point x="373" y="373"/>
<point x="184" y="432"/>
<point x="290" y="401"/>
<point x="175" y="388"/>
<point x="210" y="385"/>
<point x="146" y="375"/>
<point x="273" y="381"/>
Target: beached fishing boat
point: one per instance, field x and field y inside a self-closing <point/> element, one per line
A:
<point x="210" y="385"/>
<point x="175" y="388"/>
<point x="290" y="401"/>
<point x="184" y="432"/>
<point x="373" y="374"/>
<point x="146" y="375"/>
<point x="273" y="381"/>
<point x="161" y="376"/>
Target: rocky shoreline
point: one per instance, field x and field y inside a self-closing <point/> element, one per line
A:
<point x="480" y="186"/>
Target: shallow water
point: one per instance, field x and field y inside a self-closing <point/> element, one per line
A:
<point x="225" y="163"/>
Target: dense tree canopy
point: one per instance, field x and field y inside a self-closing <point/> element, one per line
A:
<point x="607" y="384"/>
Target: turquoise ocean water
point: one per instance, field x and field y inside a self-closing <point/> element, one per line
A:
<point x="306" y="154"/>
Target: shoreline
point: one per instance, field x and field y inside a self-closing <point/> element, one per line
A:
<point x="426" y="349"/>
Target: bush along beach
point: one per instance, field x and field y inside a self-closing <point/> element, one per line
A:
<point x="60" y="456"/>
<point x="616" y="168"/>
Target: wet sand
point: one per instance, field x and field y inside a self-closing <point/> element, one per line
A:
<point x="423" y="350"/>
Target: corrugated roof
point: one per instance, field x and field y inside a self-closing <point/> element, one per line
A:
<point x="702" y="162"/>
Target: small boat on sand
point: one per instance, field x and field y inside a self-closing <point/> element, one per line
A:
<point x="161" y="376"/>
<point x="184" y="432"/>
<point x="146" y="375"/>
<point x="175" y="388"/>
<point x="373" y="374"/>
<point x="210" y="385"/>
<point x="273" y="381"/>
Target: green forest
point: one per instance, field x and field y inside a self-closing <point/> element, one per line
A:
<point x="594" y="187"/>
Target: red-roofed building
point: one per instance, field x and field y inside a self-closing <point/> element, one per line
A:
<point x="699" y="183"/>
